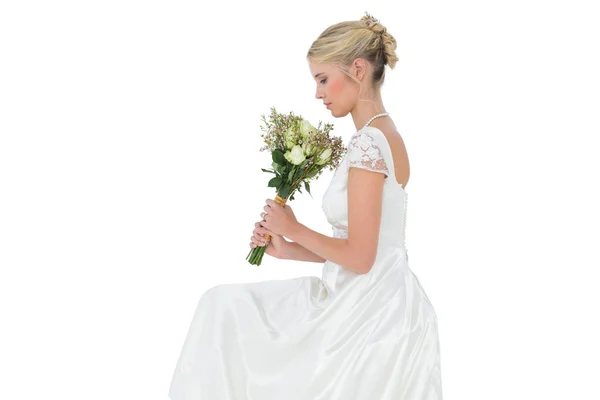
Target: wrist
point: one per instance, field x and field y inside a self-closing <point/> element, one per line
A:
<point x="284" y="252"/>
<point x="295" y="231"/>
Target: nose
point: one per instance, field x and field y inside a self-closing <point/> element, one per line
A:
<point x="319" y="95"/>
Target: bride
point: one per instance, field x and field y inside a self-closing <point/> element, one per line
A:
<point x="366" y="329"/>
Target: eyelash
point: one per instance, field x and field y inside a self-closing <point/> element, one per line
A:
<point x="323" y="81"/>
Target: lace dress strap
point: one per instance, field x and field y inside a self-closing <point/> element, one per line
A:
<point x="365" y="152"/>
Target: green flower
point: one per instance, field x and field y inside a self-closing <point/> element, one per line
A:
<point x="289" y="138"/>
<point x="295" y="156"/>
<point x="307" y="130"/>
<point x="323" y="157"/>
<point x="308" y="148"/>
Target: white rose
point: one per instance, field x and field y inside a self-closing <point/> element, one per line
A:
<point x="307" y="130"/>
<point x="289" y="138"/>
<point x="324" y="156"/>
<point x="295" y="156"/>
<point x="308" y="148"/>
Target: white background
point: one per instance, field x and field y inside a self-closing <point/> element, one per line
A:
<point x="130" y="182"/>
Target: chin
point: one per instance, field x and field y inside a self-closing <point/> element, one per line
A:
<point x="339" y="114"/>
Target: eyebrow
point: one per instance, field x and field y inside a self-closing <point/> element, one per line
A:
<point x="320" y="73"/>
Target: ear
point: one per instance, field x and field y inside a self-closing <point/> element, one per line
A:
<point x="358" y="68"/>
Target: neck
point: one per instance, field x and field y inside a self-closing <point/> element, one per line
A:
<point x="365" y="110"/>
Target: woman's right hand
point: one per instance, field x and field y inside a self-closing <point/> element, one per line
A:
<point x="275" y="248"/>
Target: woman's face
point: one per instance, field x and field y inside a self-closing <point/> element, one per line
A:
<point x="334" y="87"/>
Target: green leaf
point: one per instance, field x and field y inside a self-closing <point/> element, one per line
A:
<point x="278" y="157"/>
<point x="279" y="168"/>
<point x="307" y="186"/>
<point x="285" y="190"/>
<point x="312" y="173"/>
<point x="269" y="171"/>
<point x="275" y="182"/>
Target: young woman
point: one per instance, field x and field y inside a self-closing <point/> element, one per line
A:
<point x="365" y="330"/>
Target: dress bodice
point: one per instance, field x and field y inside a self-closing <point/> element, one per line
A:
<point x="368" y="149"/>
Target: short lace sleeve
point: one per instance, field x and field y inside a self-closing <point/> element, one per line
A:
<point x="364" y="152"/>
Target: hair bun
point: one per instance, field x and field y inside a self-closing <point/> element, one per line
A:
<point x="373" y="24"/>
<point x="388" y="42"/>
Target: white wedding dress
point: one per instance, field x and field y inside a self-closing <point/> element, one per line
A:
<point x="344" y="336"/>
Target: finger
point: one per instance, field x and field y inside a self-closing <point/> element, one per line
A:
<point x="265" y="231"/>
<point x="258" y="236"/>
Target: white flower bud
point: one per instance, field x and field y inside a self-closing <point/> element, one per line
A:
<point x="308" y="148"/>
<point x="307" y="130"/>
<point x="324" y="156"/>
<point x="289" y="138"/>
<point x="295" y="156"/>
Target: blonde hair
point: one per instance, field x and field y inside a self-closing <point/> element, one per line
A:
<point x="341" y="43"/>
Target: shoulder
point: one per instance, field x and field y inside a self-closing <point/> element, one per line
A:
<point x="370" y="138"/>
<point x="364" y="138"/>
<point x="364" y="143"/>
<point x="366" y="150"/>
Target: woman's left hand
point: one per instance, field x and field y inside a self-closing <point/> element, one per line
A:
<point x="279" y="219"/>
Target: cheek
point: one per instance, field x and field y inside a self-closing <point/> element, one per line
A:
<point x="336" y="87"/>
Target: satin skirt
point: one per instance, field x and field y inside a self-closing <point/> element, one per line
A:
<point x="340" y="337"/>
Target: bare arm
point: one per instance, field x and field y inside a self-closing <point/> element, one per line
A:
<point x="357" y="252"/>
<point x="338" y="250"/>
<point x="294" y="251"/>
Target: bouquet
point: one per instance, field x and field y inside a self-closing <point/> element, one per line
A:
<point x="300" y="153"/>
